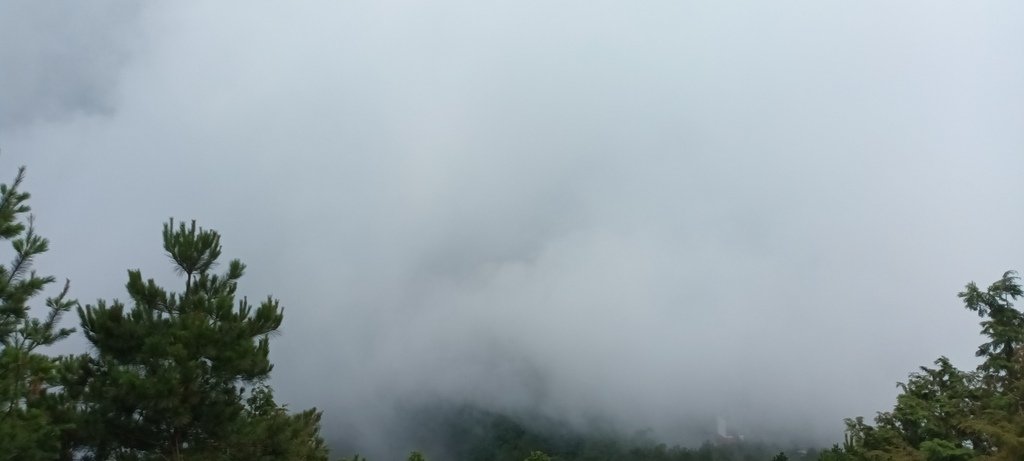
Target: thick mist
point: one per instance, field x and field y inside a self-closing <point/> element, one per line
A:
<point x="644" y="214"/>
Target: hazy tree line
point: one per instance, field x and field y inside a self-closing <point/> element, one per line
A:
<point x="468" y="432"/>
<point x="176" y="374"/>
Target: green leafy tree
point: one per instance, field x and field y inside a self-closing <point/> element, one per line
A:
<point x="1001" y="323"/>
<point x="169" y="374"/>
<point x="999" y="412"/>
<point x="30" y="426"/>
<point x="946" y="414"/>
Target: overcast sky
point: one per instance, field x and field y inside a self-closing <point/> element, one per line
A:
<point x="642" y="210"/>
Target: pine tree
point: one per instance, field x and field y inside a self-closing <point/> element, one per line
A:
<point x="169" y="374"/>
<point x="29" y="426"/>
<point x="267" y="432"/>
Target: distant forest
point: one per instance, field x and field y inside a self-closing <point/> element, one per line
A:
<point x="181" y="374"/>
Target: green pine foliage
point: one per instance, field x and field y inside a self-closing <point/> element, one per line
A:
<point x="31" y="422"/>
<point x="267" y="432"/>
<point x="169" y="374"/>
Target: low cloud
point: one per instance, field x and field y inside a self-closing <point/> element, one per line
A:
<point x="639" y="213"/>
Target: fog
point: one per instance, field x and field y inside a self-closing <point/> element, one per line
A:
<point x="646" y="213"/>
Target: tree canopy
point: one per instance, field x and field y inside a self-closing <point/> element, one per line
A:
<point x="30" y="420"/>
<point x="181" y="375"/>
<point x="171" y="375"/>
<point x="946" y="414"/>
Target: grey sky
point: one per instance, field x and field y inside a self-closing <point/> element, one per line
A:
<point x="638" y="209"/>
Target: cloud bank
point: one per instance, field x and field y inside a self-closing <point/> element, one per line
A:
<point x="636" y="212"/>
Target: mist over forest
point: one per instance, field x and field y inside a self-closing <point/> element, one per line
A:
<point x="551" y="225"/>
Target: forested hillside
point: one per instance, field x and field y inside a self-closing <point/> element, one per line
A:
<point x="468" y="432"/>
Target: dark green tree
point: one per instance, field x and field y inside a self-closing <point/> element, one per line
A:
<point x="169" y="376"/>
<point x="836" y="454"/>
<point x="267" y="432"/>
<point x="946" y="414"/>
<point x="30" y="425"/>
<point x="999" y="406"/>
<point x="1001" y="323"/>
<point x="538" y="456"/>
